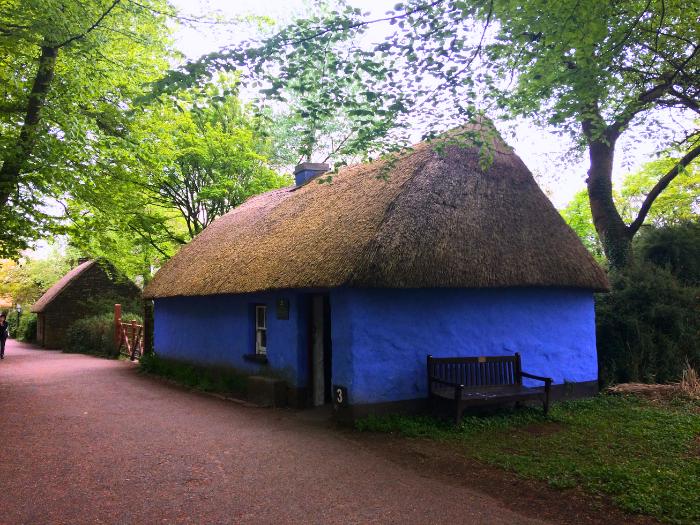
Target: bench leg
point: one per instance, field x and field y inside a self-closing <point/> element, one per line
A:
<point x="547" y="389"/>
<point x="458" y="403"/>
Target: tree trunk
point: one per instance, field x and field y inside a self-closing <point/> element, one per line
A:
<point x="17" y="156"/>
<point x="614" y="234"/>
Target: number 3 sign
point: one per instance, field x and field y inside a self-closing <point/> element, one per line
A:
<point x="340" y="396"/>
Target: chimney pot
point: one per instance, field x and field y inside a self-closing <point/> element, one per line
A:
<point x="306" y="171"/>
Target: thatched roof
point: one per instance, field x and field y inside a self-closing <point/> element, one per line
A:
<point x="430" y="218"/>
<point x="59" y="286"/>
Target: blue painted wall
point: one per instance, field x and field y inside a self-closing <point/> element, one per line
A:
<point x="219" y="330"/>
<point x="381" y="337"/>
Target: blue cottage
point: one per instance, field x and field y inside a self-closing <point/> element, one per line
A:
<point x="353" y="282"/>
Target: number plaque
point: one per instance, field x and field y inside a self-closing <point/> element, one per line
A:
<point x="282" y="309"/>
<point x="340" y="396"/>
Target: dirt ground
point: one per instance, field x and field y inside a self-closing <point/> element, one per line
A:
<point x="88" y="440"/>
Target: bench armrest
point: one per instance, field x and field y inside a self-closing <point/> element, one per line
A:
<point x="547" y="380"/>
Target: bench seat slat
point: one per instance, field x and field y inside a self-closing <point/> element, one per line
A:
<point x="488" y="393"/>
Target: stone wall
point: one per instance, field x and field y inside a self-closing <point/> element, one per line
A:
<point x="88" y="294"/>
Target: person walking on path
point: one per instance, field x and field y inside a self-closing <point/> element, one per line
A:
<point x="3" y="334"/>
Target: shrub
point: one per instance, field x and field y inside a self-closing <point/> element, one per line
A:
<point x="206" y="378"/>
<point x="94" y="335"/>
<point x="12" y="322"/>
<point x="648" y="326"/>
<point x="25" y="330"/>
<point x="675" y="248"/>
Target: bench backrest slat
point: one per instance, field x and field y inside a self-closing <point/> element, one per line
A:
<point x="476" y="371"/>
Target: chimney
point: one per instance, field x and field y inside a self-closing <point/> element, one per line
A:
<point x="306" y="171"/>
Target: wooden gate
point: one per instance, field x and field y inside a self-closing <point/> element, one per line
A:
<point x="128" y="335"/>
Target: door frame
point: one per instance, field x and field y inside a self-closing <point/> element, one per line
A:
<point x="319" y="313"/>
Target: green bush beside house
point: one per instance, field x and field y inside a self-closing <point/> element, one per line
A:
<point x="22" y="327"/>
<point x="648" y="326"/>
<point x="95" y="335"/>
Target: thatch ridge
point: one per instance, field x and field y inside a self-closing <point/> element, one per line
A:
<point x="60" y="285"/>
<point x="431" y="217"/>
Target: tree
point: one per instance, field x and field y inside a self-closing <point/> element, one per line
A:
<point x="201" y="153"/>
<point x="679" y="204"/>
<point x="596" y="70"/>
<point x="25" y="281"/>
<point x="323" y="94"/>
<point x="214" y="154"/>
<point x="328" y="84"/>
<point x="577" y="215"/>
<point x="69" y="74"/>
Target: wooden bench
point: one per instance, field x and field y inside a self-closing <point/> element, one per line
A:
<point x="477" y="381"/>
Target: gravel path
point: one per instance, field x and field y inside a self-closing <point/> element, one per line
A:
<point x="88" y="440"/>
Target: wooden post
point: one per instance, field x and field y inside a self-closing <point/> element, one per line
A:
<point x="147" y="327"/>
<point x="117" y="324"/>
<point x="133" y="339"/>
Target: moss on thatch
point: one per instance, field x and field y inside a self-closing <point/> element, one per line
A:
<point x="430" y="218"/>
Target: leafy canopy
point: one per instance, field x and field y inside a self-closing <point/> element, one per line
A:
<point x="69" y="74"/>
<point x="201" y="152"/>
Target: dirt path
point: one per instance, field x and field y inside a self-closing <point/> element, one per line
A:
<point x="88" y="440"/>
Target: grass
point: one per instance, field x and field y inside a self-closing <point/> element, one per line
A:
<point x="206" y="379"/>
<point x="645" y="456"/>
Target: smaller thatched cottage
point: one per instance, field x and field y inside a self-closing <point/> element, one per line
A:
<point x="346" y="287"/>
<point x="82" y="292"/>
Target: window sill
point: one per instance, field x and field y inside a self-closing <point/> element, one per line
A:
<point x="256" y="358"/>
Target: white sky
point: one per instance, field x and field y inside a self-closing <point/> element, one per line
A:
<point x="535" y="146"/>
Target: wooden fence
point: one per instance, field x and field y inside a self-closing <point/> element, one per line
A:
<point x="128" y="335"/>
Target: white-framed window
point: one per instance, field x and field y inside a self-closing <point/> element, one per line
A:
<point x="261" y="330"/>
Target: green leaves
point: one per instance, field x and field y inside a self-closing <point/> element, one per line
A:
<point x="196" y="155"/>
<point x="106" y="52"/>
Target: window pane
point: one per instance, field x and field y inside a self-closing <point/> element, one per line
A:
<point x="260" y="311"/>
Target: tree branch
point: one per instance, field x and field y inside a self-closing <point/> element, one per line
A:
<point x="92" y="27"/>
<point x="24" y="146"/>
<point x="644" y="98"/>
<point x="661" y="186"/>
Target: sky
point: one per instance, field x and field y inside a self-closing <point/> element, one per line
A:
<point x="537" y="147"/>
<point x="560" y="173"/>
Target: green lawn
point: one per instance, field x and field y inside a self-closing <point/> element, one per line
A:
<point x="645" y="456"/>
